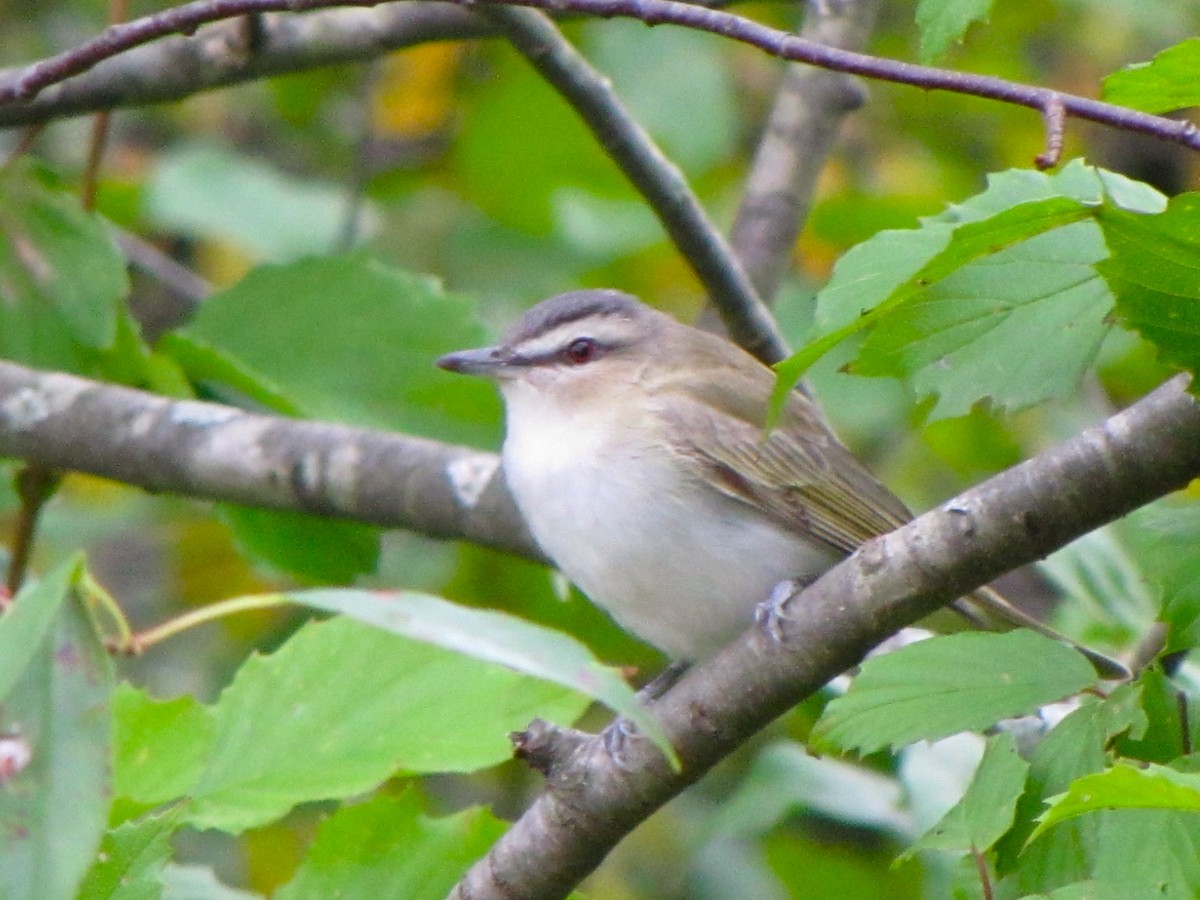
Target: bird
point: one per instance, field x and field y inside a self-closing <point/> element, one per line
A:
<point x="636" y="451"/>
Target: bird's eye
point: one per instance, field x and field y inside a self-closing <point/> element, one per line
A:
<point x="580" y="351"/>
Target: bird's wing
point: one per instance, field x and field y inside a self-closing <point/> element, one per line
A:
<point x="799" y="474"/>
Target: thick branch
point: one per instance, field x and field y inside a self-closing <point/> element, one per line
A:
<point x="219" y="453"/>
<point x="808" y="110"/>
<point x="657" y="178"/>
<point x="590" y="803"/>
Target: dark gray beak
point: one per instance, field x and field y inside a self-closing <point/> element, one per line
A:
<point x="485" y="361"/>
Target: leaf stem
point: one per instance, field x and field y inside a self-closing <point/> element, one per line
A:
<point x="140" y="641"/>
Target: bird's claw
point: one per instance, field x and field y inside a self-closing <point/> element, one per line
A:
<point x="771" y="613"/>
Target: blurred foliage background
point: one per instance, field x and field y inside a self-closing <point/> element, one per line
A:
<point x="454" y="160"/>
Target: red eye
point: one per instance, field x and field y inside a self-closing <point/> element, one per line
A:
<point x="581" y="350"/>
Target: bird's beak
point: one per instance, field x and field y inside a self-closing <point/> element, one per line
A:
<point x="485" y="361"/>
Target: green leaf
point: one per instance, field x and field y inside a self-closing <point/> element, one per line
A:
<point x="55" y="690"/>
<point x="387" y="849"/>
<point x="1164" y="85"/>
<point x="944" y="22"/>
<point x="966" y="336"/>
<point x="1161" y="740"/>
<point x="352" y="339"/>
<point x="161" y="746"/>
<point x="944" y="685"/>
<point x="950" y="306"/>
<point x="925" y="325"/>
<point x="343" y="706"/>
<point x="1164" y="537"/>
<point x="1123" y="787"/>
<point x="1156" y="847"/>
<point x="204" y="363"/>
<point x="61" y="275"/>
<point x="1077" y="746"/>
<point x="1154" y="270"/>
<point x="131" y="861"/>
<point x="316" y="549"/>
<point x="492" y="637"/>
<point x="212" y="192"/>
<point x="986" y="810"/>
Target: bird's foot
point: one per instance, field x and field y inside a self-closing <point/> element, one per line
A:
<point x="771" y="613"/>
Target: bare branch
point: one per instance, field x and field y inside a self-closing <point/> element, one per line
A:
<point x="217" y="452"/>
<point x="590" y="802"/>
<point x="27" y="82"/>
<point x="219" y="56"/>
<point x="656" y="177"/>
<point x="788" y="46"/>
<point x="808" y="110"/>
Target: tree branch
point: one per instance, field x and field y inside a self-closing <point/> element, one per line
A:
<point x="216" y="452"/>
<point x="27" y="82"/>
<point x="590" y="802"/>
<point x="788" y="46"/>
<point x="218" y="56"/>
<point x="808" y="110"/>
<point x="657" y="178"/>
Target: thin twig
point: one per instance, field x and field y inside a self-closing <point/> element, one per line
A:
<point x="985" y="878"/>
<point x="28" y="136"/>
<point x="1054" y="114"/>
<point x="187" y="284"/>
<point x="26" y="82"/>
<point x="656" y="177"/>
<point x="787" y="46"/>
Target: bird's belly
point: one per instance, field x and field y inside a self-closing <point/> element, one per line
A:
<point x="673" y="561"/>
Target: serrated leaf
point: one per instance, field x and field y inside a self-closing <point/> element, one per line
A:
<point x="944" y="685"/>
<point x="986" y="810"/>
<point x="388" y="849"/>
<point x="131" y="860"/>
<point x="160" y="746"/>
<point x="944" y="22"/>
<point x="342" y="706"/>
<point x="966" y="336"/>
<point x="1165" y="84"/>
<point x="61" y="275"/>
<point x="1123" y="787"/>
<point x="352" y="339"/>
<point x="950" y="306"/>
<point x="212" y="192"/>
<point x="55" y="690"/>
<point x="1077" y="746"/>
<point x="1154" y="270"/>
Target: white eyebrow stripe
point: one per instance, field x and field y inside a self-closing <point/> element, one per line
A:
<point x="608" y="330"/>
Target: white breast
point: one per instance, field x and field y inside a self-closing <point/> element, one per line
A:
<point x="672" y="560"/>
